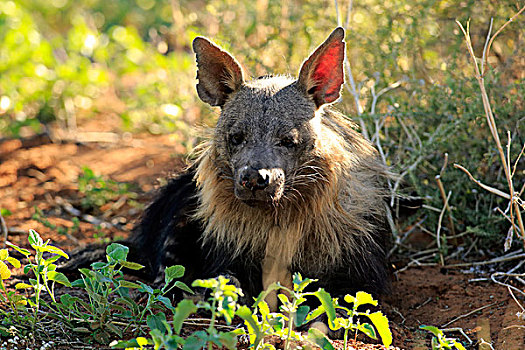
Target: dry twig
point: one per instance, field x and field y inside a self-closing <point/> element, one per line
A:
<point x="488" y="262"/>
<point x="467" y="314"/>
<point x="505" y="161"/>
<point x="443" y="196"/>
<point x="438" y="233"/>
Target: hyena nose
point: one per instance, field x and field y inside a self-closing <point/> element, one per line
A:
<point x="254" y="179"/>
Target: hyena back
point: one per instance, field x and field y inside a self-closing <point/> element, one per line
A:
<point x="285" y="184"/>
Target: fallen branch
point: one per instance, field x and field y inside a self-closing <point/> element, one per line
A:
<point x="497" y="274"/>
<point x="488" y="262"/>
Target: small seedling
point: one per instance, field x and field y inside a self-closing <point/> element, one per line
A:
<point x="352" y="320"/>
<point x="66" y="231"/>
<point x="440" y="342"/>
<point x="45" y="277"/>
<point x="99" y="191"/>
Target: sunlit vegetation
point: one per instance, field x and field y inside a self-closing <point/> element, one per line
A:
<point x="63" y="62"/>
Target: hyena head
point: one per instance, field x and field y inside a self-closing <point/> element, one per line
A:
<point x="265" y="138"/>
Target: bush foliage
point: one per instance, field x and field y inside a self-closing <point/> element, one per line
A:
<point x="63" y="61"/>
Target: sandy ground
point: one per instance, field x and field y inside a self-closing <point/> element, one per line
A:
<point x="38" y="173"/>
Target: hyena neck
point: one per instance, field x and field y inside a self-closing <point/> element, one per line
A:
<point x="314" y="232"/>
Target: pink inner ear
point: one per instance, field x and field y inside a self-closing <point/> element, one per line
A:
<point x="328" y="73"/>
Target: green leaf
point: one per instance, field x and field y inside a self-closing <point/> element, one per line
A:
<point x="300" y="315"/>
<point x="23" y="286"/>
<point x="314" y="314"/>
<point x="34" y="239"/>
<point x="264" y="309"/>
<point x="262" y="296"/>
<point x="209" y="283"/>
<point x="128" y="284"/>
<point x="183" y="310"/>
<point x="5" y="273"/>
<point x="328" y="305"/>
<point x="100" y="277"/>
<point x="434" y="330"/>
<point x="254" y="331"/>
<point x="349" y="299"/>
<point x="165" y="301"/>
<point x="381" y="323"/>
<point x="320" y="339"/>
<point x="67" y="300"/>
<point x="5" y="212"/>
<point x="299" y="284"/>
<point x="138" y="342"/>
<point x="114" y="329"/>
<point x="368" y="329"/>
<point x="157" y="322"/>
<point x="54" y="250"/>
<point x="173" y="272"/>
<point x="117" y="252"/>
<point x="51" y="260"/>
<point x="131" y="265"/>
<point x="22" y="251"/>
<point x="362" y="298"/>
<point x="284" y="299"/>
<point x="459" y="346"/>
<point x="228" y="340"/>
<point x="145" y="288"/>
<point x="99" y="265"/>
<point x="184" y="287"/>
<point x="79" y="283"/>
<point x="13" y="261"/>
<point x="197" y="341"/>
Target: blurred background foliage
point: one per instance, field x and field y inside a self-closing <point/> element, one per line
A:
<point x="64" y="62"/>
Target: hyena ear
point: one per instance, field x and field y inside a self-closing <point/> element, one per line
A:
<point x="321" y="75"/>
<point x="218" y="72"/>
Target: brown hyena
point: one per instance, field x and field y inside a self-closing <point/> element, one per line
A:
<point x="284" y="185"/>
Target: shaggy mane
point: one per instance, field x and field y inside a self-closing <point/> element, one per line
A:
<point x="326" y="211"/>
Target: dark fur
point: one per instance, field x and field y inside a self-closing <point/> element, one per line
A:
<point x="172" y="233"/>
<point x="168" y="236"/>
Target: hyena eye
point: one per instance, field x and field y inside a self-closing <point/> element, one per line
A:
<point x="287" y="142"/>
<point x="236" y="139"/>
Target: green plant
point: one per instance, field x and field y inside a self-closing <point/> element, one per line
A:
<point x="66" y="231"/>
<point x="107" y="291"/>
<point x="222" y="302"/>
<point x="440" y="342"/>
<point x="157" y="296"/>
<point x="261" y="322"/>
<point x="14" y="300"/>
<point x="98" y="191"/>
<point x="45" y="277"/>
<point x="351" y="321"/>
<point x="111" y="308"/>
